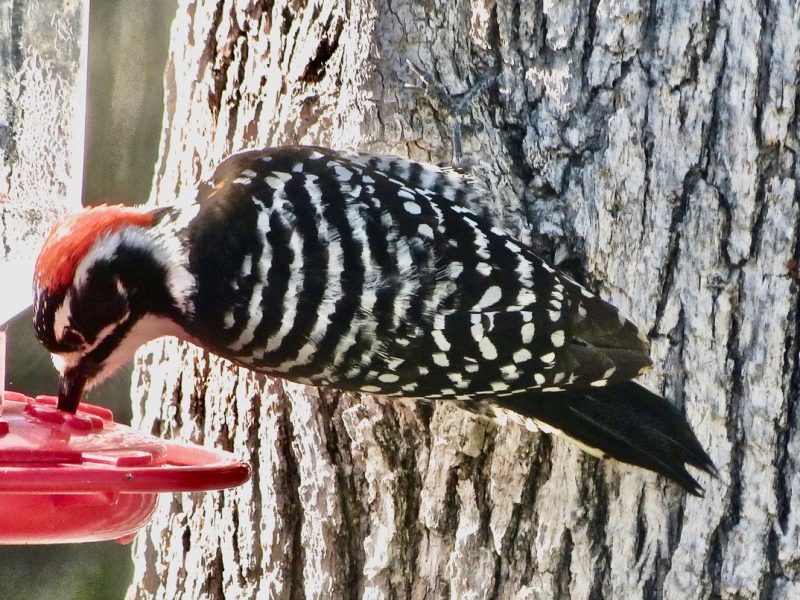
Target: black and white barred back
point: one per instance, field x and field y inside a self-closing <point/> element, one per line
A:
<point x="361" y="273"/>
<point x="369" y="274"/>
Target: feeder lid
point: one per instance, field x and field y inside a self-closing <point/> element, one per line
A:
<point x="83" y="477"/>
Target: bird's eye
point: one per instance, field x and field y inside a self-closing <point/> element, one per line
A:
<point x="72" y="338"/>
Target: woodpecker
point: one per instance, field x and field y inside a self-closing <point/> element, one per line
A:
<point x="363" y="273"/>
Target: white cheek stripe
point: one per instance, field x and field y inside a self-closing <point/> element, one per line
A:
<point x="66" y="360"/>
<point x="104" y="333"/>
<point x="146" y="329"/>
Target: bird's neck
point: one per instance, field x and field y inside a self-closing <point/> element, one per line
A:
<point x="171" y="253"/>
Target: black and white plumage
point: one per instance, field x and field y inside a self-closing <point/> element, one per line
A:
<point x="363" y="273"/>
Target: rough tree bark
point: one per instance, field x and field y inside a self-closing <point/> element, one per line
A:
<point x="650" y="143"/>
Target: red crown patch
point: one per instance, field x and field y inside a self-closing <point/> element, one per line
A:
<point x="74" y="235"/>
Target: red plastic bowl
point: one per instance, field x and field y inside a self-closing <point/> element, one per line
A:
<point x="83" y="477"/>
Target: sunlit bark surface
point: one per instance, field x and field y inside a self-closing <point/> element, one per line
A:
<point x="651" y="146"/>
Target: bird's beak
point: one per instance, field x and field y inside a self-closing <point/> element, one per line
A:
<point x="70" y="392"/>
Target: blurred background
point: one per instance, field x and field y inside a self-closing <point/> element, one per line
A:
<point x="128" y="42"/>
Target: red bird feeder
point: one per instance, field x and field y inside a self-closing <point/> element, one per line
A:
<point x="83" y="477"/>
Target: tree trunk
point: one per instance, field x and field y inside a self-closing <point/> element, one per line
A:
<point x="650" y="143"/>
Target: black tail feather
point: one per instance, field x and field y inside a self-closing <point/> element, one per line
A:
<point x="624" y="421"/>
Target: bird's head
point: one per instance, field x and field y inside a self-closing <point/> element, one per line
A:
<point x="101" y="289"/>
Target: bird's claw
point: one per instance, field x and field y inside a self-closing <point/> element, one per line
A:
<point x="454" y="105"/>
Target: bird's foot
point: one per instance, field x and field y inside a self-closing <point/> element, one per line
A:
<point x="454" y="106"/>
